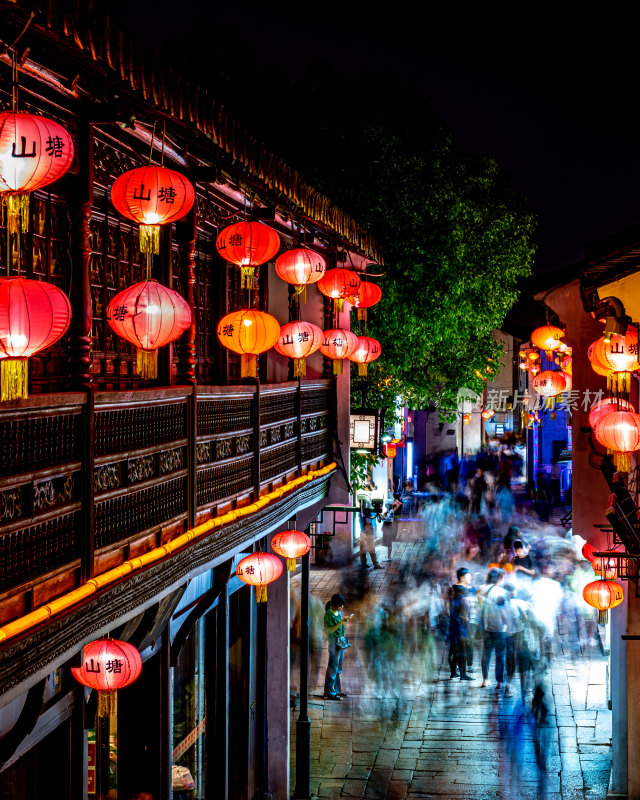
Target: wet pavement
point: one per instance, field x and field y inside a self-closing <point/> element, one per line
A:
<point x="409" y="731"/>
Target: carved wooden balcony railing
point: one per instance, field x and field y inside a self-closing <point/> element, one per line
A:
<point x="88" y="482"/>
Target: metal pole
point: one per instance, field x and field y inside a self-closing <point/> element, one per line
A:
<point x="303" y="724"/>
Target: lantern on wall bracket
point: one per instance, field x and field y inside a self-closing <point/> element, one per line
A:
<point x="620" y="356"/>
<point x="338" y="284"/>
<point x="300" y="267"/>
<point x="248" y="332"/>
<point x="152" y="196"/>
<point x="338" y="343"/>
<point x="259" y="570"/>
<point x="149" y="316"/>
<point x="368" y="295"/>
<point x="33" y="316"/>
<point x="248" y="245"/>
<point x="108" y="665"/>
<point x="619" y="432"/>
<point x="291" y="545"/>
<point x="603" y="595"/>
<point x="368" y="350"/>
<point x="297" y="340"/>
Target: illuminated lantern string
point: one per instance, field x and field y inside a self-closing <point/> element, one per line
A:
<point x="33" y="316"/>
<point x="619" y="432"/>
<point x="291" y="545"/>
<point x="368" y="350"/>
<point x="606" y="406"/>
<point x="248" y="332"/>
<point x="368" y="295"/>
<point x="259" y="569"/>
<point x="337" y="344"/>
<point x="34" y="152"/>
<point x="338" y="284"/>
<point x="297" y="340"/>
<point x="300" y="267"/>
<point x="603" y="595"/>
<point x="149" y="316"/>
<point x="547" y="338"/>
<point x="247" y="245"/>
<point x="108" y="665"/>
<point x="152" y="196"/>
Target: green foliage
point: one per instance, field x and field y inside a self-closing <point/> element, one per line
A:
<point x="361" y="465"/>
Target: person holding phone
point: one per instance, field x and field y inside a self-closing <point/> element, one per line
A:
<point x="334" y="630"/>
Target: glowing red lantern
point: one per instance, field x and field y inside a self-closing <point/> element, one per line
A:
<point x="390" y="449"/>
<point x="152" y="196"/>
<point x="259" y="569"/>
<point x="606" y="566"/>
<point x="368" y="350"/>
<point x="588" y="550"/>
<point x="248" y="332"/>
<point x="596" y="364"/>
<point x="547" y="338"/>
<point x="338" y="284"/>
<point x="300" y="267"/>
<point x="337" y="344"/>
<point x="619" y="432"/>
<point x="549" y="383"/>
<point x="149" y="316"/>
<point x="487" y="413"/>
<point x="603" y="595"/>
<point x="291" y="545"/>
<point x="34" y="152"/>
<point x="606" y="406"/>
<point x="368" y="295"/>
<point x="297" y="340"/>
<point x="33" y="316"/>
<point x="108" y="665"/>
<point x="466" y="418"/>
<point x="568" y="381"/>
<point x="620" y="357"/>
<point x="247" y="245"/>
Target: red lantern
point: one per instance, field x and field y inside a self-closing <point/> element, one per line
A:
<point x="619" y="432"/>
<point x="588" y="550"/>
<point x="367" y="351"/>
<point x="337" y="344"/>
<point x="390" y="449"/>
<point x="108" y="665"/>
<point x="338" y="284"/>
<point x="487" y="413"/>
<point x="298" y="340"/>
<point x="152" y="196"/>
<point x="34" y="152"/>
<point x="33" y="316"/>
<point x="549" y="383"/>
<point x="149" y="316"/>
<point x="291" y="545"/>
<point x="259" y="569"/>
<point x="466" y="418"/>
<point x="620" y="357"/>
<point x="248" y="332"/>
<point x="300" y="267"/>
<point x="596" y="364"/>
<point x="547" y="338"/>
<point x="603" y="595"/>
<point x="606" y="566"/>
<point x="368" y="295"/>
<point x="606" y="406"/>
<point x="247" y="245"/>
<point x="568" y="381"/>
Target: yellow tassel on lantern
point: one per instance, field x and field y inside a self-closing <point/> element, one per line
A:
<point x="150" y="239"/>
<point x="248" y="365"/>
<point x="622" y="462"/>
<point x="337" y="366"/>
<point x="147" y="364"/>
<point x="291" y="565"/>
<point x="106" y="704"/>
<point x="17" y="212"/>
<point x="261" y="594"/>
<point x="299" y="367"/>
<point x="603" y="617"/>
<point x="301" y="291"/>
<point x="339" y="303"/>
<point x="14" y="378"/>
<point x="247" y="277"/>
<point x="362" y="369"/>
<point x="362" y="314"/>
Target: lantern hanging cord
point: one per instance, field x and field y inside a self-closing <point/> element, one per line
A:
<point x="153" y="135"/>
<point x="164" y="131"/>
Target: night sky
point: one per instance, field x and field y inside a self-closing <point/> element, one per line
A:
<point x="553" y="99"/>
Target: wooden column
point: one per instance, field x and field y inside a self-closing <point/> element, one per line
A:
<point x="166" y="753"/>
<point x="220" y="735"/>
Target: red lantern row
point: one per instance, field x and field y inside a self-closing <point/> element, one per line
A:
<point x="261" y="569"/>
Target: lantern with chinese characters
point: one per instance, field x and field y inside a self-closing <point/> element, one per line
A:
<point x="152" y="196"/>
<point x="603" y="595"/>
<point x="368" y="295"/>
<point x="33" y="316"/>
<point x="338" y="284"/>
<point x="34" y="152"/>
<point x="149" y="316"/>
<point x="368" y="350"/>
<point x="620" y="356"/>
<point x="619" y="432"/>
<point x="259" y="569"/>
<point x="588" y="550"/>
<point x="248" y="332"/>
<point x="247" y="245"/>
<point x="547" y="338"/>
<point x="549" y="383"/>
<point x="300" y="267"/>
<point x="606" y="566"/>
<point x="297" y="340"/>
<point x="291" y="545"/>
<point x="596" y="364"/>
<point x="108" y="665"/>
<point x="337" y="344"/>
<point x="606" y="406"/>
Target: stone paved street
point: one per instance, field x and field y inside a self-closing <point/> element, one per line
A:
<point x="415" y="733"/>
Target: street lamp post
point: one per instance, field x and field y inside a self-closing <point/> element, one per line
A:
<point x="303" y="724"/>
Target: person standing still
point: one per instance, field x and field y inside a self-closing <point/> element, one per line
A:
<point x="334" y="629"/>
<point x="367" y="533"/>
